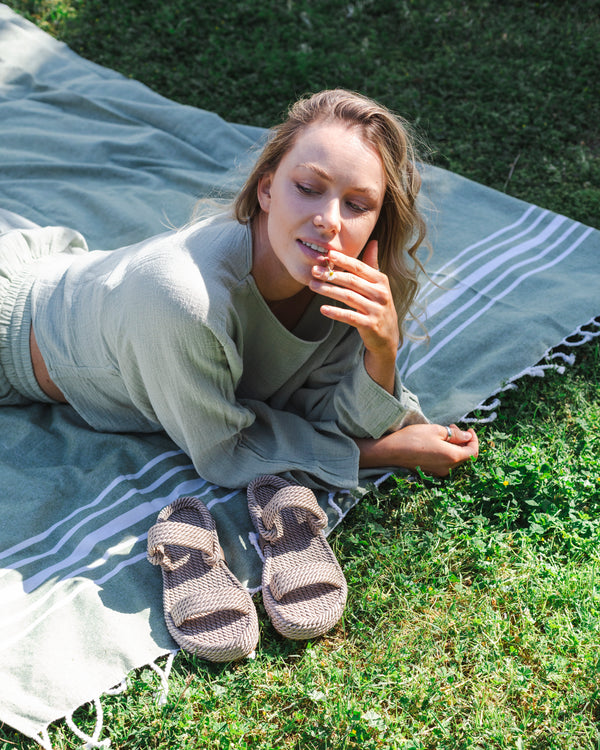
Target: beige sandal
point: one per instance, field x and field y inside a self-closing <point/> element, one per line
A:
<point x="303" y="587"/>
<point x="207" y="610"/>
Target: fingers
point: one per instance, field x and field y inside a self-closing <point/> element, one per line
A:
<point x="367" y="267"/>
<point x="353" y="282"/>
<point x="456" y="436"/>
<point x="361" y="303"/>
<point x="349" y="288"/>
<point x="463" y="445"/>
<point x="367" y="303"/>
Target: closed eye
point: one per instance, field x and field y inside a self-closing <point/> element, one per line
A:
<point x="305" y="189"/>
<point x="357" y="208"/>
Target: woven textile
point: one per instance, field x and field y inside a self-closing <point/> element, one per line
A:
<point x="207" y="610"/>
<point x="303" y="587"/>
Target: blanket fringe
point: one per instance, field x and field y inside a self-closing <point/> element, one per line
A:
<point x="93" y="740"/>
<point x="163" y="673"/>
<point x="332" y="504"/>
<point x="43" y="739"/>
<point x="581" y="335"/>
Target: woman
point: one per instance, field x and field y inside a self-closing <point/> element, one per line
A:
<point x="263" y="342"/>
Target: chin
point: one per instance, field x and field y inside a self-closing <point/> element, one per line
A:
<point x="300" y="276"/>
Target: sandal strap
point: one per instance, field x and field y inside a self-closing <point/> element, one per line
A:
<point x="285" y="581"/>
<point x="207" y="602"/>
<point x="293" y="497"/>
<point x="182" y="535"/>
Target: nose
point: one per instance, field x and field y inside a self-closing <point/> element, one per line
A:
<point x="329" y="217"/>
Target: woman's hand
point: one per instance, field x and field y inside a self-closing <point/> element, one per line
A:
<point x="366" y="290"/>
<point x="426" y="446"/>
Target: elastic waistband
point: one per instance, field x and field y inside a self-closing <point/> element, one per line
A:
<point x="16" y="369"/>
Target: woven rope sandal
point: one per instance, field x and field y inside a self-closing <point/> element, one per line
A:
<point x="207" y="610"/>
<point x="303" y="587"/>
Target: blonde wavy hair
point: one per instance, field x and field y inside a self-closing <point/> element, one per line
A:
<point x="400" y="228"/>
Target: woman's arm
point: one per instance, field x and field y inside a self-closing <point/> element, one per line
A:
<point x="360" y="285"/>
<point x="341" y="390"/>
<point x="423" y="446"/>
<point x="366" y="291"/>
<point x="233" y="440"/>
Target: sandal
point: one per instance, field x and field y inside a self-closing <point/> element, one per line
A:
<point x="303" y="587"/>
<point x="207" y="610"/>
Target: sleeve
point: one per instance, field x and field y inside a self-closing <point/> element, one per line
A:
<point x="342" y="390"/>
<point x="232" y="442"/>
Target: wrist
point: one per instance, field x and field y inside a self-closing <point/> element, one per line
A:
<point x="374" y="453"/>
<point x="381" y="368"/>
<point x="365" y="449"/>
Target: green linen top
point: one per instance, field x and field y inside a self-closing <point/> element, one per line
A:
<point x="172" y="333"/>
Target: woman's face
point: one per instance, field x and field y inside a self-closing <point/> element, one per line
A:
<point x="325" y="194"/>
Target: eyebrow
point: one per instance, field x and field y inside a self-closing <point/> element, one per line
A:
<point x="324" y="174"/>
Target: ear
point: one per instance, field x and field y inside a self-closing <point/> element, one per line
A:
<point x="263" y="191"/>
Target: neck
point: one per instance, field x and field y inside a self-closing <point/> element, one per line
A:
<point x="287" y="298"/>
<point x="289" y="311"/>
<point x="272" y="279"/>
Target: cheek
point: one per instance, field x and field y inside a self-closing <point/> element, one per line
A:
<point x="359" y="238"/>
<point x="285" y="206"/>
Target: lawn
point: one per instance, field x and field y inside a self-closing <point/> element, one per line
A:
<point x="473" y="620"/>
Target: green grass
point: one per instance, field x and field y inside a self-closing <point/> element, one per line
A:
<point x="472" y="619"/>
<point x="474" y="608"/>
<point x="506" y="93"/>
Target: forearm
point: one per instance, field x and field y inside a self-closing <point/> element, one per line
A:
<point x="382" y="368"/>
<point x="234" y="443"/>
<point x="389" y="450"/>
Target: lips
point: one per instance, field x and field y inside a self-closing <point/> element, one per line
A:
<point x="316" y="252"/>
<point x="316" y="247"/>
